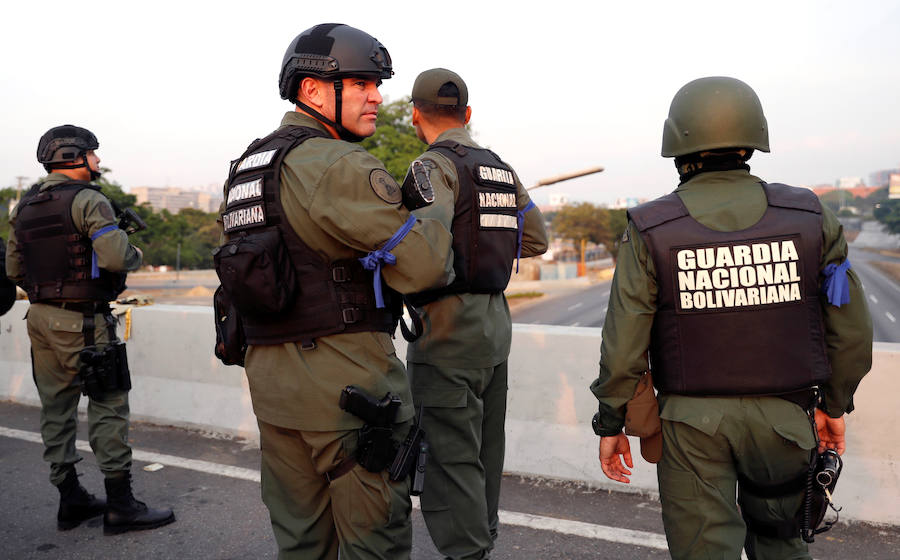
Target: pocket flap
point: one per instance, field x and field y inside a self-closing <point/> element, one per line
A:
<point x="454" y="397"/>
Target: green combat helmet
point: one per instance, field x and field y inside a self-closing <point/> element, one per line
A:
<point x="711" y="113"/>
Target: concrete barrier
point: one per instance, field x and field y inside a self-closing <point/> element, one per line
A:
<point x="177" y="381"/>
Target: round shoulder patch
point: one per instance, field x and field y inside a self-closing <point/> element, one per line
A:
<point x="385" y="186"/>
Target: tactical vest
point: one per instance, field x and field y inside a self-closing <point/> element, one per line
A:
<point x="738" y="312"/>
<point x="57" y="257"/>
<point x="485" y="223"/>
<point x="320" y="297"/>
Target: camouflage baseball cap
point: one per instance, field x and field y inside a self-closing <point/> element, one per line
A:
<point x="429" y="83"/>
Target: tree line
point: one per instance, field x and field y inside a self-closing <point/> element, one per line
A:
<point x="188" y="237"/>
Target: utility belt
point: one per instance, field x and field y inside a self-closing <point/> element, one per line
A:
<point x="817" y="483"/>
<point x="376" y="450"/>
<point x="102" y="370"/>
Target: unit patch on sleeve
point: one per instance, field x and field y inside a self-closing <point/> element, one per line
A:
<point x="385" y="186"/>
<point x="748" y="274"/>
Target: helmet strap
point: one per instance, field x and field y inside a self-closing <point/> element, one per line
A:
<point x="343" y="133"/>
<point x="84" y="163"/>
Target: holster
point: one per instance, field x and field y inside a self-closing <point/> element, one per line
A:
<point x="102" y="370"/>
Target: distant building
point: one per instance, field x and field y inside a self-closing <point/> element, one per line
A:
<point x="894" y="185"/>
<point x="882" y="178"/>
<point x="174" y="199"/>
<point x="627" y="202"/>
<point x="849" y="182"/>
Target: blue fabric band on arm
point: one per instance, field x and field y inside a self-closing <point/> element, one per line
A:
<point x="375" y="259"/>
<point x="95" y="269"/>
<point x="521" y="220"/>
<point x="836" y="287"/>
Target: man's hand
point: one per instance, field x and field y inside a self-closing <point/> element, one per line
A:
<point x="612" y="451"/>
<point x="831" y="432"/>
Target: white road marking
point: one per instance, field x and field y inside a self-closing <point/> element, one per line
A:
<point x="578" y="528"/>
<point x="891" y="317"/>
<point x="576" y="306"/>
<point x="873" y="298"/>
<point x="150" y="457"/>
<point x="575" y="324"/>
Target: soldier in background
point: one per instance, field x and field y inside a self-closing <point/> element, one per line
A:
<point x="743" y="294"/>
<point x="458" y="366"/>
<point x="68" y="253"/>
<point x="320" y="318"/>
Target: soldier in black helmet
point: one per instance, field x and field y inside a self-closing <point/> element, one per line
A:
<point x="68" y="253"/>
<point x="343" y="246"/>
<point x="742" y="292"/>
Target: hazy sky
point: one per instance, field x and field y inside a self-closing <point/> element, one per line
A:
<point x="174" y="90"/>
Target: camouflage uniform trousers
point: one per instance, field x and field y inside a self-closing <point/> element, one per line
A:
<point x="56" y="339"/>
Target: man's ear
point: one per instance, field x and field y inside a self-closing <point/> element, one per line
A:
<point x="416" y="115"/>
<point x="468" y="114"/>
<point x="310" y="91"/>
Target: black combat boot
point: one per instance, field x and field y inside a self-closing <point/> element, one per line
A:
<point x="75" y="504"/>
<point x="124" y="513"/>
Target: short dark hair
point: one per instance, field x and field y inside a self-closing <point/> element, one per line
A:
<point x="457" y="112"/>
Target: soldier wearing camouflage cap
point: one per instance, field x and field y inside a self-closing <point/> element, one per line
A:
<point x="458" y="365"/>
<point x="67" y="252"/>
<point x="742" y="292"/>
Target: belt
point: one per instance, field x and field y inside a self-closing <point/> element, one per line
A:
<point x="82" y="307"/>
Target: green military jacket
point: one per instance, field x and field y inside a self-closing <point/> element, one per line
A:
<point x="330" y="202"/>
<point x="91" y="212"/>
<point x="723" y="201"/>
<point x="468" y="330"/>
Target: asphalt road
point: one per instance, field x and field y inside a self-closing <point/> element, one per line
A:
<point x="883" y="294"/>
<point x="212" y="484"/>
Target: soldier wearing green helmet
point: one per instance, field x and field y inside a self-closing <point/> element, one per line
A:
<point x="756" y="327"/>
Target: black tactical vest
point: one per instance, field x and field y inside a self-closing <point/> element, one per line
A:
<point x="57" y="257"/>
<point x="485" y="223"/>
<point x="316" y="297"/>
<point x="738" y="312"/>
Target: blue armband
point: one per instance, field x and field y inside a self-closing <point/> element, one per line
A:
<point x="521" y="221"/>
<point x="835" y="286"/>
<point x="95" y="270"/>
<point x="376" y="258"/>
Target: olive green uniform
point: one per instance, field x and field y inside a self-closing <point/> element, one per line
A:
<point x="458" y="369"/>
<point x="329" y="201"/>
<point x="57" y="338"/>
<point x="708" y="441"/>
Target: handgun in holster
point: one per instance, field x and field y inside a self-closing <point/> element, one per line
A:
<point x="376" y="449"/>
<point x="104" y="370"/>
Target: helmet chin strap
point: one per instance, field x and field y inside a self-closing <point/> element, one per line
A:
<point x="342" y="132"/>
<point x="84" y="163"/>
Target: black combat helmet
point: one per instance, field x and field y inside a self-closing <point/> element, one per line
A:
<point x="713" y="113"/>
<point x="61" y="147"/>
<point x="332" y="51"/>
